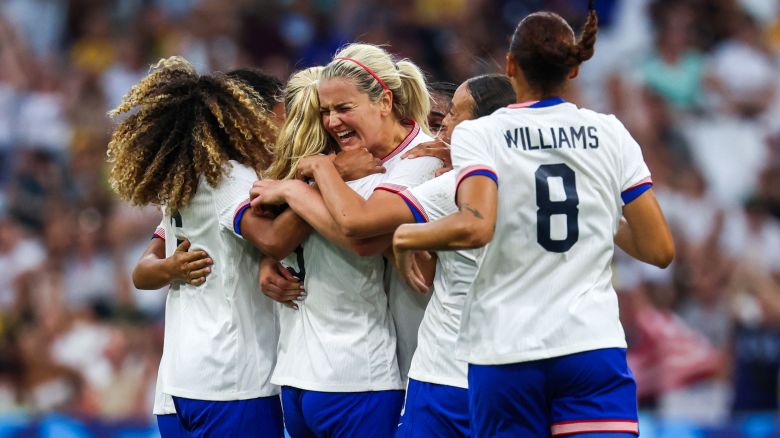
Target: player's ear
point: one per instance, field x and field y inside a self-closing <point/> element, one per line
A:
<point x="574" y="72"/>
<point x="386" y="102"/>
<point x="511" y="66"/>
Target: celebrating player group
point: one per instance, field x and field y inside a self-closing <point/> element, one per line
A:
<point x="338" y="269"/>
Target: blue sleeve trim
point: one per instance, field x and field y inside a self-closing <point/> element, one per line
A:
<point x="482" y="172"/>
<point x="634" y="192"/>
<point x="418" y="217"/>
<point x="237" y="218"/>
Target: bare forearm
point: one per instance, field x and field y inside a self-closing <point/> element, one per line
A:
<point x="152" y="273"/>
<point x="450" y="233"/>
<point x="276" y="237"/>
<point x="309" y="205"/>
<point x="345" y="205"/>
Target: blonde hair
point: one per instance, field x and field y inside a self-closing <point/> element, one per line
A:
<point x="302" y="134"/>
<point x="185" y="126"/>
<point x="403" y="78"/>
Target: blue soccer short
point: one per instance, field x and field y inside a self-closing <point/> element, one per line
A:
<point x="584" y="394"/>
<point x="311" y="414"/>
<point x="258" y="417"/>
<point x="171" y="427"/>
<point x="434" y="410"/>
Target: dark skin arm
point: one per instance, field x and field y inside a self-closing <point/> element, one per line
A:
<point x="154" y="271"/>
<point x="275" y="237"/>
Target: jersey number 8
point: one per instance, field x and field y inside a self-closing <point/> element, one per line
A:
<point x="548" y="208"/>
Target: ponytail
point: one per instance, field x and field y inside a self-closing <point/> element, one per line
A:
<point x="417" y="100"/>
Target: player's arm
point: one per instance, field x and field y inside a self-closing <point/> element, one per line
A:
<point x="644" y="234"/>
<point x="471" y="227"/>
<point x="356" y="217"/>
<point x="276" y="237"/>
<point x="154" y="271"/>
<point x="309" y="205"/>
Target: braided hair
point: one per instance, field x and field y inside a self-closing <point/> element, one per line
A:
<point x="545" y="48"/>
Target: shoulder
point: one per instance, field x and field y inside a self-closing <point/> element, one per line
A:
<point x="240" y="171"/>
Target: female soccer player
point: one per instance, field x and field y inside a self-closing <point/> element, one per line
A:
<point x="436" y="400"/>
<point x="194" y="145"/>
<point x="540" y="327"/>
<point x="154" y="271"/>
<point x="337" y="354"/>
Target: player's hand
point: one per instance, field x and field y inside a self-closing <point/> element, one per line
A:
<point x="408" y="267"/>
<point x="354" y="164"/>
<point x="266" y="192"/>
<point x="189" y="267"/>
<point x="278" y="284"/>
<point x="437" y="149"/>
<point x="307" y="165"/>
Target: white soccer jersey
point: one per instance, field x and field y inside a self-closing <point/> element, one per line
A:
<point x="221" y="336"/>
<point x="406" y="305"/>
<point x="341" y="338"/>
<point x="434" y="361"/>
<point x="544" y="286"/>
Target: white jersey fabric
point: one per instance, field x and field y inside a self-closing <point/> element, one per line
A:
<point x="221" y="336"/>
<point x="342" y="338"/>
<point x="544" y="286"/>
<point x="406" y="304"/>
<point x="434" y="361"/>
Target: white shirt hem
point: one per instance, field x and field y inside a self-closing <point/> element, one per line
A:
<point x="528" y="356"/>
<point x="335" y="387"/>
<point x="220" y="396"/>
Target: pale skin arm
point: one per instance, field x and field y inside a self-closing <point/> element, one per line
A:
<point x="357" y="217"/>
<point x="644" y="233"/>
<point x="308" y="203"/>
<point x="471" y="227"/>
<point x="154" y="271"/>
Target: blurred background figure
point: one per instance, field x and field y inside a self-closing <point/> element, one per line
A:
<point x="695" y="81"/>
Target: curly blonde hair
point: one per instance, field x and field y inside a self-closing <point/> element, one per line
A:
<point x="183" y="126"/>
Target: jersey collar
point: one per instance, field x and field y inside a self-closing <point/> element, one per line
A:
<point x="552" y="101"/>
<point x="405" y="142"/>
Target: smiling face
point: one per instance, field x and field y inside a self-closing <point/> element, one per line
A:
<point x="349" y="116"/>
<point x="462" y="108"/>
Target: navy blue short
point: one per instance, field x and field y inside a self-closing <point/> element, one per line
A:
<point x="257" y="417"/>
<point x="170" y="427"/>
<point x="434" y="410"/>
<point x="311" y="414"/>
<point x="580" y="394"/>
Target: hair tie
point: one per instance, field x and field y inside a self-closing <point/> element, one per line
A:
<point x="365" y="67"/>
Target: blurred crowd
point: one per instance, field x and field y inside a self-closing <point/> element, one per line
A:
<point x="694" y="81"/>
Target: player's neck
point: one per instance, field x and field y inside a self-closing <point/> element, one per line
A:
<point x="395" y="133"/>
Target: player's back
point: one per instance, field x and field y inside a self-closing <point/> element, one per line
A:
<point x="220" y="337"/>
<point x="544" y="286"/>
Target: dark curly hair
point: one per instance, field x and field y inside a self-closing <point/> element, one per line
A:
<point x="183" y="126"/>
<point x="544" y="47"/>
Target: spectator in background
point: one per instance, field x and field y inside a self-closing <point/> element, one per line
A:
<point x="674" y="68"/>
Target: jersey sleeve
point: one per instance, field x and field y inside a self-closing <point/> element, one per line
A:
<point x="472" y="154"/>
<point x="410" y="173"/>
<point x="432" y="199"/>
<point x="232" y="197"/>
<point x="159" y="232"/>
<point x="635" y="177"/>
